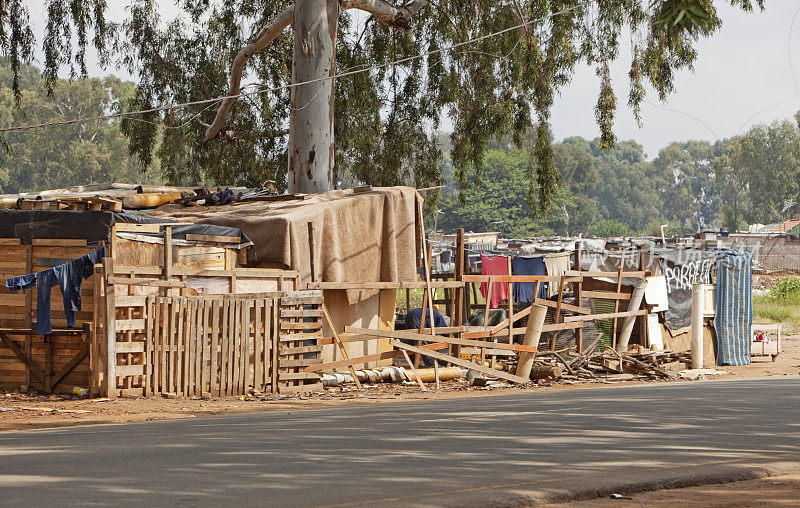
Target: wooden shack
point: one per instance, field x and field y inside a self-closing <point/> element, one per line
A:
<point x="160" y="315"/>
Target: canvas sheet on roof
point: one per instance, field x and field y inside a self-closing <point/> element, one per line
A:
<point x="358" y="237"/>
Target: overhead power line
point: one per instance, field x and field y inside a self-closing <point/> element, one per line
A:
<point x="21" y="128"/>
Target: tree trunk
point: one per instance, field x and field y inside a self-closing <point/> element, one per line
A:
<point x="311" y="147"/>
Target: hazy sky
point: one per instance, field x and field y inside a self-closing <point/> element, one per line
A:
<point x="743" y="69"/>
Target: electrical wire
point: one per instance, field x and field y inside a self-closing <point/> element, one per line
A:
<point x="794" y="76"/>
<point x="293" y="85"/>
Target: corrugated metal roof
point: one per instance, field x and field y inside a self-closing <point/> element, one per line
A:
<point x="782" y="227"/>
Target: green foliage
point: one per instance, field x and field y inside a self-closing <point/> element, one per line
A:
<point x="86" y="153"/>
<point x="494" y="87"/>
<point x="605" y="228"/>
<point x="786" y="290"/>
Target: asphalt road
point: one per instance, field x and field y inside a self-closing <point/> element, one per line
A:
<point x="508" y="449"/>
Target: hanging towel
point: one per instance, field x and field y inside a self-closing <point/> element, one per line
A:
<point x="734" y="306"/>
<point x="556" y="265"/>
<point x="655" y="293"/>
<point x="495" y="265"/>
<point x="523" y="291"/>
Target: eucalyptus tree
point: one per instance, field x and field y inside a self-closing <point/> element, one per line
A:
<point x="379" y="75"/>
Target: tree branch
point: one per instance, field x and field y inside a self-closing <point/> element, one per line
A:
<point x="267" y="35"/>
<point x="387" y="14"/>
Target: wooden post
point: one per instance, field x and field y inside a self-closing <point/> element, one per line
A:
<point x="489" y="287"/>
<point x="110" y="328"/>
<point x="533" y="332"/>
<point x="311" y="253"/>
<point x="510" y="306"/>
<point x="616" y="301"/>
<point x="627" y="325"/>
<point x="458" y="276"/>
<point x="414" y="370"/>
<point x="578" y="297"/>
<point x="558" y="312"/>
<point x="167" y="256"/>
<point x="28" y="311"/>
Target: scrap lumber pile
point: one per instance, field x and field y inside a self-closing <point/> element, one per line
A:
<point x="605" y="362"/>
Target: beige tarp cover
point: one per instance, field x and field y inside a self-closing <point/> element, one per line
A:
<point x="367" y="236"/>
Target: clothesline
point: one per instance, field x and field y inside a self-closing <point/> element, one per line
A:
<point x="69" y="277"/>
<point x="549" y="264"/>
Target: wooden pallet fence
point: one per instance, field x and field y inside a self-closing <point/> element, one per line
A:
<point x="299" y="329"/>
<point x="217" y="346"/>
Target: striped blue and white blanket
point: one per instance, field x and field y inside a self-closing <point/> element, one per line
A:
<point x="734" y="306"/>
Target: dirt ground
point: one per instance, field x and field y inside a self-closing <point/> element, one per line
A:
<point x="774" y="491"/>
<point x="24" y="411"/>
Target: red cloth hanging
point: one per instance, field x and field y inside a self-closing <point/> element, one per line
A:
<point x="495" y="265"/>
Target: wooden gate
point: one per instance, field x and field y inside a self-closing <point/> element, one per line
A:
<point x="216" y="345"/>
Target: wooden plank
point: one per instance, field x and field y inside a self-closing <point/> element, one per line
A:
<point x="213" y="238"/>
<point x="564" y="306"/>
<point x="304" y="300"/>
<point x="202" y="350"/>
<point x="180" y="341"/>
<point x="608" y="295"/>
<point x="386" y="355"/>
<point x="125" y="227"/>
<point x="155" y="387"/>
<point x="225" y="337"/>
<point x="231" y="363"/>
<point x="246" y="380"/>
<point x="517" y="278"/>
<point x="460" y="362"/>
<point x="148" y="348"/>
<point x="577" y="325"/>
<point x="304" y="325"/>
<point x="53" y="242"/>
<point x="301" y="313"/>
<point x="612" y="275"/>
<point x="147" y="282"/>
<point x="302" y="362"/>
<point x="275" y="318"/>
<point x="238" y="347"/>
<point x="297" y="375"/>
<point x="130" y="347"/>
<point x="10" y="241"/>
<point x="131" y="324"/>
<point x="169" y="386"/>
<point x="405" y="334"/>
<point x="129" y="370"/>
<point x="286" y="351"/>
<point x="214" y="355"/>
<point x="258" y="345"/>
<point x="129" y="301"/>
<point x="504" y="324"/>
<point x="610" y="315"/>
<point x="384" y="285"/>
<point x="191" y="338"/>
<point x="110" y="329"/>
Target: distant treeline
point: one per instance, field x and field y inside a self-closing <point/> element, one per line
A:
<point x="56" y="157"/>
<point x="691" y="185"/>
